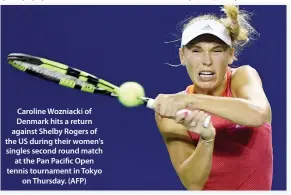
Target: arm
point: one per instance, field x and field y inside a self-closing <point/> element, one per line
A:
<point x="192" y="164"/>
<point x="249" y="106"/>
<point x="195" y="169"/>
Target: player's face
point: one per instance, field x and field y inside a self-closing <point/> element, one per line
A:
<point x="206" y="59"/>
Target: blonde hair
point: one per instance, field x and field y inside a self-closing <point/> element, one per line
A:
<point x="236" y="21"/>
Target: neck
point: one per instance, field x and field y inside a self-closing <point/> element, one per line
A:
<point x="213" y="92"/>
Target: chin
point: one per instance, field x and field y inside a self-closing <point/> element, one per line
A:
<point x="208" y="86"/>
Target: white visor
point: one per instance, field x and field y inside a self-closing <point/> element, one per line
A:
<point x="205" y="27"/>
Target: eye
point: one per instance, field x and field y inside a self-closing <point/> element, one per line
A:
<point x="196" y="50"/>
<point x="219" y="49"/>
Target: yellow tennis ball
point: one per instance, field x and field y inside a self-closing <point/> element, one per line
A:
<point x="129" y="93"/>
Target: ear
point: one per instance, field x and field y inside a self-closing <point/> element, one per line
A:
<point x="231" y="56"/>
<point x="182" y="57"/>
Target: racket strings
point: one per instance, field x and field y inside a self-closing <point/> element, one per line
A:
<point x="61" y="77"/>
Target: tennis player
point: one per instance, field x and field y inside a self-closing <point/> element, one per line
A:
<point x="234" y="152"/>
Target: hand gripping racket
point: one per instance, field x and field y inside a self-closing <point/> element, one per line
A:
<point x="74" y="78"/>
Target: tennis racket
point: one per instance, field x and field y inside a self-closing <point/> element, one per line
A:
<point x="71" y="77"/>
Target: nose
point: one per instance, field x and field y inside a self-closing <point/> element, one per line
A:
<point x="206" y="59"/>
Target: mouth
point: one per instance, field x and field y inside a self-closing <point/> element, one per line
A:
<point x="206" y="75"/>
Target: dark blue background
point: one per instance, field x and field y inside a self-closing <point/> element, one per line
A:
<point x="121" y="43"/>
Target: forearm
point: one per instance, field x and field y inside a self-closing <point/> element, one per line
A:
<point x="237" y="110"/>
<point x="194" y="171"/>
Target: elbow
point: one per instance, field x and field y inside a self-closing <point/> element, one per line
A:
<point x="196" y="183"/>
<point x="259" y="118"/>
<point x="194" y="187"/>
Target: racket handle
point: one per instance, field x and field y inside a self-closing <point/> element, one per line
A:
<point x="151" y="102"/>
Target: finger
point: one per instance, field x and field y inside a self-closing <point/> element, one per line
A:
<point x="173" y="112"/>
<point x="197" y="118"/>
<point x="157" y="102"/>
<point x="157" y="106"/>
<point x="189" y="119"/>
<point x="182" y="111"/>
<point x="181" y="117"/>
<point x="206" y="132"/>
<point x="168" y="110"/>
<point x="176" y="108"/>
<point x="162" y="109"/>
<point x="204" y="120"/>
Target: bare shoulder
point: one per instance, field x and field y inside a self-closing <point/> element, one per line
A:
<point x="245" y="75"/>
<point x="246" y="83"/>
<point x="245" y="71"/>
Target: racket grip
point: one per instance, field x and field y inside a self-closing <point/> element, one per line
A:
<point x="151" y="102"/>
